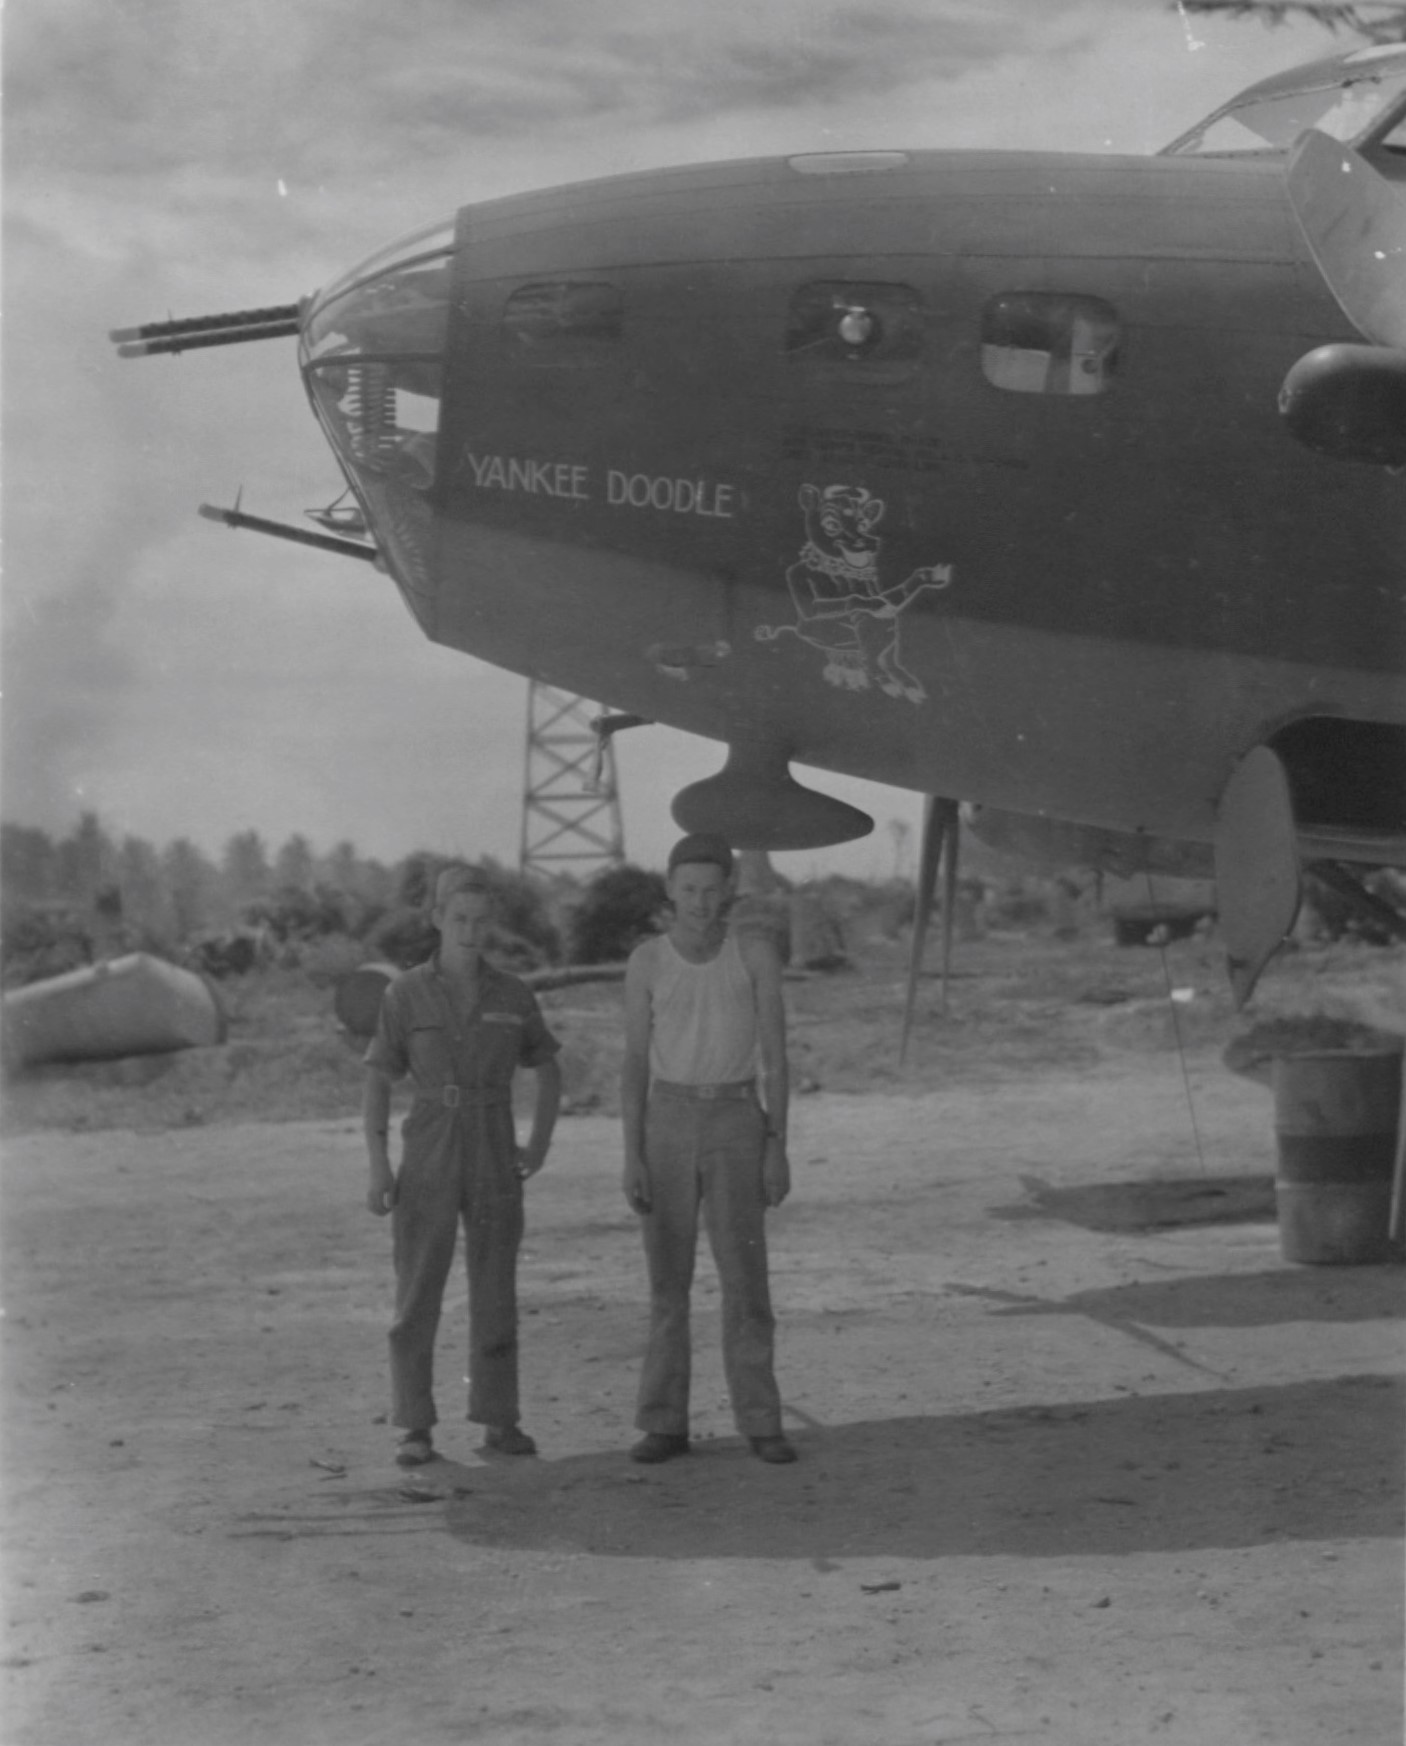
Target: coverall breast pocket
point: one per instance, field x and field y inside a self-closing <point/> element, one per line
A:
<point x="431" y="1058"/>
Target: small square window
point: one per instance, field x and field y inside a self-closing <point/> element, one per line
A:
<point x="855" y="329"/>
<point x="1049" y="342"/>
<point x="562" y="322"/>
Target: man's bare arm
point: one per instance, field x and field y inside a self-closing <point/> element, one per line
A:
<point x="764" y="967"/>
<point x="375" y="1122"/>
<point x="634" y="1079"/>
<point x="532" y="1156"/>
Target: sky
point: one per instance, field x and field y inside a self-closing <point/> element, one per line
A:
<point x="178" y="157"/>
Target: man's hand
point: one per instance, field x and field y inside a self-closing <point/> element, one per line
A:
<point x="380" y="1197"/>
<point x="776" y="1171"/>
<point x="527" y="1162"/>
<point x="636" y="1185"/>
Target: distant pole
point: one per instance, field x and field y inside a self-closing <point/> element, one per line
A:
<point x="569" y="822"/>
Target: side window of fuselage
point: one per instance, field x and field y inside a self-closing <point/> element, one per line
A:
<point x="1049" y="342"/>
<point x="563" y="324"/>
<point x="848" y="330"/>
<point x="1388" y="153"/>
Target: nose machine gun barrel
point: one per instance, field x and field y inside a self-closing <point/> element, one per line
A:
<point x="279" y="321"/>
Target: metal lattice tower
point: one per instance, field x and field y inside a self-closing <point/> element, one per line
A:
<point x="569" y="821"/>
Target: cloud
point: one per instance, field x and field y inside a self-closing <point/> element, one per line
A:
<point x="722" y="60"/>
<point x="120" y="89"/>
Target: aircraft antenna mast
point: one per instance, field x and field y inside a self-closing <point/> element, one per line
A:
<point x="571" y="818"/>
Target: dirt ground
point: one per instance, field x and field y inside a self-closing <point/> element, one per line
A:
<point x="1083" y="1460"/>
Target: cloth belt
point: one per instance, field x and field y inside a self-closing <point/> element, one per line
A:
<point x="475" y="1096"/>
<point x="739" y="1090"/>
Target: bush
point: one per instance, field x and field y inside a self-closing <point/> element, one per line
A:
<point x="1018" y="903"/>
<point x="225" y="955"/>
<point x="621" y="907"/>
<point x="293" y="916"/>
<point x="415" y="877"/>
<point x="521" y="922"/>
<point x="403" y="937"/>
<point x="42" y="940"/>
<point x="365" y="915"/>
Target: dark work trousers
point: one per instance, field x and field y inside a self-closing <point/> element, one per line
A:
<point x="709" y="1153"/>
<point x="458" y="1166"/>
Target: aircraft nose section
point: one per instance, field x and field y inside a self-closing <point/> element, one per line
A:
<point x="372" y="356"/>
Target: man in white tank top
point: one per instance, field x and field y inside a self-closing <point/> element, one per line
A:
<point x="703" y="1014"/>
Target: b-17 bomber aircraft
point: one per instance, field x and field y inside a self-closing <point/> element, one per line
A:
<point x="1064" y="486"/>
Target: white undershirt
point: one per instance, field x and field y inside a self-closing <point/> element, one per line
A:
<point x="703" y="1028"/>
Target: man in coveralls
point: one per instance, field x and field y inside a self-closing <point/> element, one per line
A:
<point x="460" y="1028"/>
<point x="703" y="1009"/>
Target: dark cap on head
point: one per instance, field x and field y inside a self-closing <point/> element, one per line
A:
<point x="701" y="846"/>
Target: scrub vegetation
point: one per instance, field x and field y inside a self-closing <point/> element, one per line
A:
<point x="1040" y="983"/>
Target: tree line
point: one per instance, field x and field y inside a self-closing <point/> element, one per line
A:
<point x="66" y="901"/>
<point x="177" y="890"/>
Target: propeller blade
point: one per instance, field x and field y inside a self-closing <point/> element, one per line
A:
<point x="1258" y="883"/>
<point x="1354" y="220"/>
<point x="938" y="816"/>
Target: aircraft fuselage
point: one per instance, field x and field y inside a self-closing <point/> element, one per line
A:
<point x="958" y="471"/>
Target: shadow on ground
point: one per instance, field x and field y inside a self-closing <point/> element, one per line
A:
<point x="1164" y="1473"/>
<point x="1220" y="1300"/>
<point x="1154" y="1205"/>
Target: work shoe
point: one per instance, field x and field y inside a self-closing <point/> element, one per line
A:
<point x="776" y="1450"/>
<point x="657" y="1446"/>
<point x="508" y="1440"/>
<point x="414" y="1449"/>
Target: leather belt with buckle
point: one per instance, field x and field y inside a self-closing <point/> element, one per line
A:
<point x="739" y="1090"/>
<point x="475" y="1096"/>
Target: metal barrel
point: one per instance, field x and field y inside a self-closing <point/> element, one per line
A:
<point x="1335" y="1119"/>
<point x="275" y="312"/>
<point x="222" y="336"/>
<point x="363" y="549"/>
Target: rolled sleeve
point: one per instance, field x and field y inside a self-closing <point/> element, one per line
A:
<point x="387" y="1052"/>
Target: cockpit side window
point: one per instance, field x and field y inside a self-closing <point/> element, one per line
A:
<point x="566" y="323"/>
<point x="1345" y="110"/>
<point x="1049" y="342"/>
<point x="1387" y="152"/>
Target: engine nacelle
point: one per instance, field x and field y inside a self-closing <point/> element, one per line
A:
<point x="1349" y="401"/>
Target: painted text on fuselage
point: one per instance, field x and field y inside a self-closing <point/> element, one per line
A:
<point x="577" y="483"/>
<point x="536" y="478"/>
